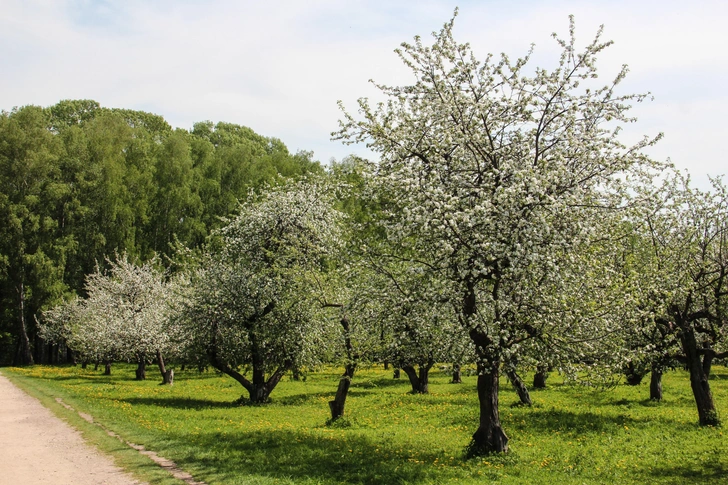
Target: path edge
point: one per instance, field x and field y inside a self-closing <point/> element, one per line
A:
<point x="139" y="466"/>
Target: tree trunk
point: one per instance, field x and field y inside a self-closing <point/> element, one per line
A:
<point x="23" y="354"/>
<point x="420" y="383"/>
<point x="707" y="413"/>
<point x="708" y="361"/>
<point x="656" y="385"/>
<point x="412" y="375"/>
<point x="259" y="389"/>
<point x="84" y="364"/>
<point x="539" y="378"/>
<point x="489" y="438"/>
<point x="167" y="375"/>
<point x="519" y="386"/>
<point x="386" y="365"/>
<point x="337" y="405"/>
<point x="107" y="368"/>
<point x="457" y="377"/>
<point x="258" y="393"/>
<point x="396" y="373"/>
<point x="141" y="371"/>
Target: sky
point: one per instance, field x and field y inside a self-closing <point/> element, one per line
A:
<point x="280" y="66"/>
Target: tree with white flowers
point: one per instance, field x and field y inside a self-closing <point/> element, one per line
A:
<point x="681" y="279"/>
<point x="253" y="304"/>
<point x="420" y="325"/>
<point x="125" y="315"/>
<point x="498" y="175"/>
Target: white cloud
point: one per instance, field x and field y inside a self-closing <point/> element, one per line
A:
<point x="280" y="66"/>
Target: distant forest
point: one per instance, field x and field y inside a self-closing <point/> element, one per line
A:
<point x="80" y="182"/>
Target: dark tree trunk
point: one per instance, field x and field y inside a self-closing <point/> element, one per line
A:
<point x="84" y="364"/>
<point x="539" y="378"/>
<point x="396" y="373"/>
<point x="519" y="386"/>
<point x="258" y="393"/>
<point x="708" y="357"/>
<point x="259" y="389"/>
<point x="107" y="368"/>
<point x="457" y="376"/>
<point x="634" y="375"/>
<point x="23" y="354"/>
<point x="386" y="365"/>
<point x="337" y="405"/>
<point x="420" y="383"/>
<point x="707" y="413"/>
<point x="167" y="375"/>
<point x="141" y="371"/>
<point x="489" y="438"/>
<point x="656" y="384"/>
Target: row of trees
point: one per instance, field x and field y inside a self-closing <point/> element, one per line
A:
<point x="292" y="282"/>
<point x="504" y="225"/>
<point x="79" y="182"/>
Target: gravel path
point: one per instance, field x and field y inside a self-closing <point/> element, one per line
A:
<point x="38" y="448"/>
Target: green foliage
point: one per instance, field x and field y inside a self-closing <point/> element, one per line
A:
<point x="572" y="434"/>
<point x="79" y="182"/>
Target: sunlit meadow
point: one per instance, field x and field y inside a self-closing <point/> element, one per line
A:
<point x="572" y="434"/>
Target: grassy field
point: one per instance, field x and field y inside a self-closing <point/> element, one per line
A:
<point x="572" y="435"/>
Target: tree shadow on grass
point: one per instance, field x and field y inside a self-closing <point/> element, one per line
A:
<point x="321" y="457"/>
<point x="179" y="403"/>
<point x="712" y="471"/>
<point x="379" y="382"/>
<point x="553" y="420"/>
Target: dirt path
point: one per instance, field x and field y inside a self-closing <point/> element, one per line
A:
<point x="38" y="448"/>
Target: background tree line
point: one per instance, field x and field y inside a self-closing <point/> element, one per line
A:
<point x="80" y="182"/>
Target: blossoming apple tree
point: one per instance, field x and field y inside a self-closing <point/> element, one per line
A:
<point x="495" y="172"/>
<point x="682" y="279"/>
<point x="252" y="304"/>
<point x="125" y="315"/>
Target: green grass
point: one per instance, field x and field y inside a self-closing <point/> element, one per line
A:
<point x="572" y="435"/>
